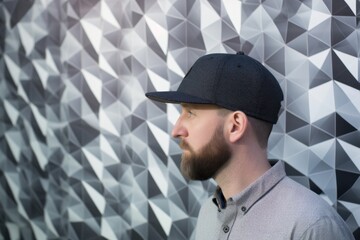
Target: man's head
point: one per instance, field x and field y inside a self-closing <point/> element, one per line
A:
<point x="220" y="85"/>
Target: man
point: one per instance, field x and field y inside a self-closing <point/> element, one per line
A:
<point x="229" y="105"/>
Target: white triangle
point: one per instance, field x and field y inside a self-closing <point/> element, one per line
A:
<point x="107" y="14"/>
<point x="96" y="197"/>
<point x="350" y="62"/>
<point x="164" y="219"/>
<point x="233" y="9"/>
<point x="316" y="18"/>
<point x="208" y="15"/>
<point x="160" y="33"/>
<point x="94" y="84"/>
<point x="319" y="59"/>
<point x="173" y="66"/>
<point x="322" y="101"/>
<point x="159" y="83"/>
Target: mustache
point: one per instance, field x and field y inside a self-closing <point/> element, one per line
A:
<point x="184" y="145"/>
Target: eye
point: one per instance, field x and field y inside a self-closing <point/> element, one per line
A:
<point x="190" y="113"/>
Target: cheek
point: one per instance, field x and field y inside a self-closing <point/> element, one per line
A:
<point x="201" y="137"/>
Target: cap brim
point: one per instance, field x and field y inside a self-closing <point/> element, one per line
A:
<point x="175" y="97"/>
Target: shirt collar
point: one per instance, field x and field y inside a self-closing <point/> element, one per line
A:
<point x="219" y="199"/>
<point x="250" y="195"/>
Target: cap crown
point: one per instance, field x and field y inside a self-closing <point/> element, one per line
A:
<point x="234" y="82"/>
<point x="231" y="81"/>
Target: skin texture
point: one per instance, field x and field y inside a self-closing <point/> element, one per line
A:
<point x="220" y="144"/>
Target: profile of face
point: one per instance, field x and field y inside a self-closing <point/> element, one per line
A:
<point x="201" y="161"/>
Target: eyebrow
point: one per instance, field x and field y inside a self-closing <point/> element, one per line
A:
<point x="199" y="106"/>
<point x="185" y="105"/>
<point x="191" y="106"/>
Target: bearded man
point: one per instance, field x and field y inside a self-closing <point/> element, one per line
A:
<point x="230" y="103"/>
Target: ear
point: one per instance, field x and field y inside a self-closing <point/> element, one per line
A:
<point x="238" y="122"/>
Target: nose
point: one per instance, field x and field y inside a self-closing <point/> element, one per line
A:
<point x="179" y="129"/>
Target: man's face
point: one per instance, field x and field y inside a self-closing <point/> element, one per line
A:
<point x="205" y="151"/>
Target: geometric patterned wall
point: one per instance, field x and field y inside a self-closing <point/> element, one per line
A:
<point x="83" y="153"/>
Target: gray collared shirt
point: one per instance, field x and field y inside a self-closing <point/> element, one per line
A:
<point x="273" y="207"/>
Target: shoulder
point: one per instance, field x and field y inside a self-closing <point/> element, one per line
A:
<point x="327" y="228"/>
<point x="312" y="215"/>
<point x="297" y="194"/>
<point x="301" y="201"/>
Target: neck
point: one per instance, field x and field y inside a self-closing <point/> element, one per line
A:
<point x="241" y="171"/>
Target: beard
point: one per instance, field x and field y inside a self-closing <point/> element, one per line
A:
<point x="205" y="163"/>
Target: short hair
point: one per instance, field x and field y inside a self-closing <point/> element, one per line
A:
<point x="262" y="131"/>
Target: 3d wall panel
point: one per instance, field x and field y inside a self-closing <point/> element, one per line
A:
<point x="84" y="155"/>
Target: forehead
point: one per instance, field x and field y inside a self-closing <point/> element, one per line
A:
<point x="206" y="108"/>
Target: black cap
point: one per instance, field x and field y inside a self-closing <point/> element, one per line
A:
<point x="231" y="81"/>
